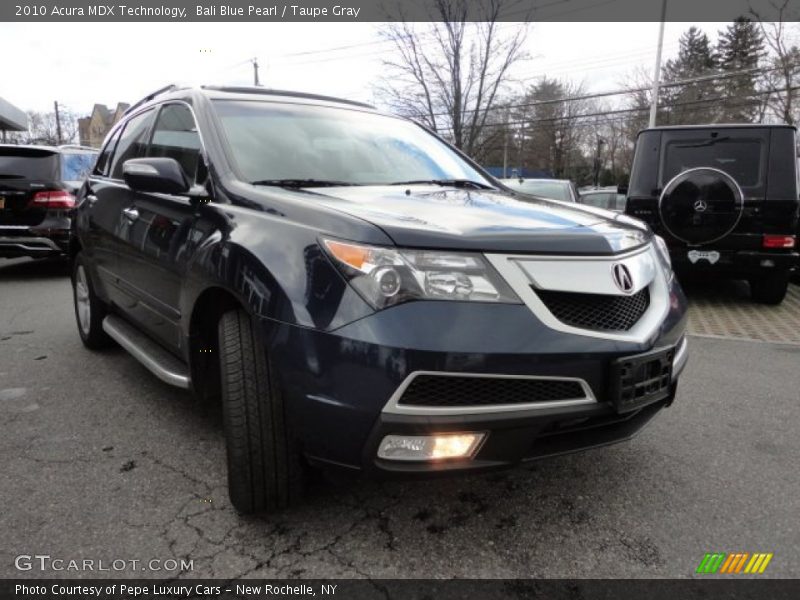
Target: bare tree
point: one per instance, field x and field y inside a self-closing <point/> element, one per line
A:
<point x="450" y="74"/>
<point x="550" y="114"/>
<point x="617" y="150"/>
<point x="780" y="81"/>
<point x="43" y="129"/>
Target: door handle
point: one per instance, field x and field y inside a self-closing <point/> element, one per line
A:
<point x="131" y="213"/>
<point x="91" y="198"/>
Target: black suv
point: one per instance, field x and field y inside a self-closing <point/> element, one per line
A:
<point x="363" y="297"/>
<point x="725" y="199"/>
<point x="37" y="187"/>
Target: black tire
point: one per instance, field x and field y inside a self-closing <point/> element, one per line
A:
<point x="264" y="469"/>
<point x="769" y="289"/>
<point x="89" y="309"/>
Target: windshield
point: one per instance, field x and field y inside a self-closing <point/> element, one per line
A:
<point x="546" y="189"/>
<point x="75" y="167"/>
<point x="273" y="142"/>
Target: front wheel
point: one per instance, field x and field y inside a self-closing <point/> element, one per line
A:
<point x="770" y="288"/>
<point x="264" y="468"/>
<point x="89" y="309"/>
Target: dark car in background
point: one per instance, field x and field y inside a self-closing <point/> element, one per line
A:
<point x="725" y="199"/>
<point x="555" y="189"/>
<point x="37" y="193"/>
<point x="361" y="296"/>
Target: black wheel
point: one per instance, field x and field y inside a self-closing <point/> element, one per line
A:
<point x="89" y="309"/>
<point x="769" y="289"/>
<point x="264" y="469"/>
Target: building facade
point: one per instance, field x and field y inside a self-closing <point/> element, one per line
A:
<point x="93" y="129"/>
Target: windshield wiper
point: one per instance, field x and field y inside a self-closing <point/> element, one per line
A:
<point x="303" y="183"/>
<point x="710" y="142"/>
<point x="457" y="183"/>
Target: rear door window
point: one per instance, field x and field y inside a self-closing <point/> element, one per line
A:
<point x="740" y="156"/>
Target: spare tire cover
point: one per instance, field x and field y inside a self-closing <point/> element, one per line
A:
<point x="700" y="206"/>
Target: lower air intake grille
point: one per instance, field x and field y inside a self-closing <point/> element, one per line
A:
<point x="436" y="390"/>
<point x="596" y="311"/>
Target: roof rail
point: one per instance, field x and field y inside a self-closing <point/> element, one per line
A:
<point x="150" y="96"/>
<point x="270" y="92"/>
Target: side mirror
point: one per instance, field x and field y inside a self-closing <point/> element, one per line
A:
<point x="157" y="175"/>
<point x="622" y="188"/>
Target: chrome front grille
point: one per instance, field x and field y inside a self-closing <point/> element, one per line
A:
<point x="581" y="295"/>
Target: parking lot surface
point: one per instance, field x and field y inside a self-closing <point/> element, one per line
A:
<point x="723" y="310"/>
<point x="102" y="461"/>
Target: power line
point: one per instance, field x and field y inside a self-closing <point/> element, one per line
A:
<point x="622" y="111"/>
<point x="622" y="91"/>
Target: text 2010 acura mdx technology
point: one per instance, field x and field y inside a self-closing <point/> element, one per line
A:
<point x="361" y="295"/>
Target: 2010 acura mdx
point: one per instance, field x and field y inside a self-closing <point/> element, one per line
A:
<point x="362" y="296"/>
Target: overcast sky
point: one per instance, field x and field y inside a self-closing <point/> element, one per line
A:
<point x="79" y="64"/>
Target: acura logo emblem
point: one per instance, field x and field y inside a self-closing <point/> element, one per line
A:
<point x="700" y="206"/>
<point x="622" y="277"/>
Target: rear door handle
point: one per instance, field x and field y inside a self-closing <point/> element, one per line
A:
<point x="131" y="213"/>
<point x="91" y="198"/>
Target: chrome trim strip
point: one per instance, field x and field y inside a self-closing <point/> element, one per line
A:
<point x="642" y="332"/>
<point x="113" y="326"/>
<point x="394" y="407"/>
<point x="681" y="358"/>
<point x="21" y="242"/>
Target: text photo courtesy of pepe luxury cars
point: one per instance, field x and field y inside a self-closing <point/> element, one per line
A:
<point x="298" y="295"/>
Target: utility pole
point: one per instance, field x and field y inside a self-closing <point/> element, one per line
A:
<point x="657" y="74"/>
<point x="255" y="72"/>
<point x="58" y="123"/>
<point x="505" y="150"/>
<point x="597" y="162"/>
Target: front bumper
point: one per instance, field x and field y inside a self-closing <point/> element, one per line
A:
<point x="339" y="385"/>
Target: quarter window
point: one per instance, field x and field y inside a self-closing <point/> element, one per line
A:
<point x="104" y="160"/>
<point x="132" y="142"/>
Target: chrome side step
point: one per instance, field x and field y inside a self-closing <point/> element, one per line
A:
<point x="157" y="360"/>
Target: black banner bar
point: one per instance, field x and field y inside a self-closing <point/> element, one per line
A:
<point x="738" y="587"/>
<point x="266" y="11"/>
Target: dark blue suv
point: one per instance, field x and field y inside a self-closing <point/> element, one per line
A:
<point x="361" y="296"/>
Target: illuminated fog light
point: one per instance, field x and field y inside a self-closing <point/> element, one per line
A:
<point x="429" y="447"/>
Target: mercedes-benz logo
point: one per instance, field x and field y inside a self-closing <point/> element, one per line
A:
<point x="700" y="206"/>
<point x="622" y="277"/>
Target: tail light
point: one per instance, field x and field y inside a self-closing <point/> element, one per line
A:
<point x="54" y="199"/>
<point x="778" y="241"/>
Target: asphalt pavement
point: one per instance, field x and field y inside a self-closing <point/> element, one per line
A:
<point x="101" y="461"/>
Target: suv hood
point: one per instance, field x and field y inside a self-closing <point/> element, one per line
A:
<point x="430" y="216"/>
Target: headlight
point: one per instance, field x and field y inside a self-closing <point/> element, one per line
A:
<point x="663" y="251"/>
<point x="389" y="276"/>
